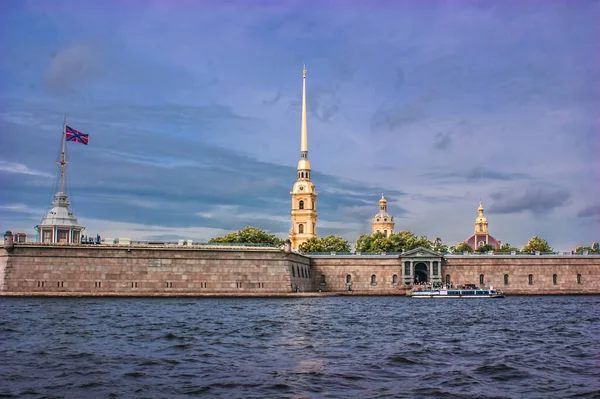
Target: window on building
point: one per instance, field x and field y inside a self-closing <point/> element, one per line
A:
<point x="301" y="204"/>
<point x="313" y="205"/>
<point x="298" y="271"/>
<point x="481" y="279"/>
<point x="435" y="268"/>
<point x="506" y="279"/>
<point x="579" y="280"/>
<point x="407" y="268"/>
<point x="554" y="279"/>
<point x="531" y="279"/>
<point x="300" y="228"/>
<point x="373" y="279"/>
<point x="293" y="272"/>
<point x="348" y="279"/>
<point x="47" y="236"/>
<point x="447" y="279"/>
<point x="322" y="279"/>
<point x="385" y="233"/>
<point x="395" y="279"/>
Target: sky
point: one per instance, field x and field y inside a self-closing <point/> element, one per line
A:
<point x="193" y="113"/>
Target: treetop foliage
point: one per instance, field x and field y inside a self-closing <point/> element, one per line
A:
<point x="248" y="235"/>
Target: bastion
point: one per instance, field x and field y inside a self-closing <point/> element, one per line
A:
<point x="215" y="270"/>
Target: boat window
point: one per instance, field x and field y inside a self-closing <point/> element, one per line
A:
<point x="506" y="279"/>
<point x="531" y="279"/>
<point x="481" y="279"/>
<point x="554" y="279"/>
<point x="579" y="279"/>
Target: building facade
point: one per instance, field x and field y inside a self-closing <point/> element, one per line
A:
<point x="304" y="196"/>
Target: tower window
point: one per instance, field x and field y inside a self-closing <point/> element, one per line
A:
<point x="302" y="174"/>
<point x="313" y="204"/>
<point x="385" y="233"/>
<point x="300" y="228"/>
<point x="301" y="204"/>
<point x="554" y="279"/>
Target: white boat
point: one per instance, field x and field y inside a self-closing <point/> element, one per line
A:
<point x="457" y="293"/>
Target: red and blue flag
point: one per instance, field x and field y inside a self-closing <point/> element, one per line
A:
<point x="76" y="136"/>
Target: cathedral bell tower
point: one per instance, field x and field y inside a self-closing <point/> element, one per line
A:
<point x="304" y="197"/>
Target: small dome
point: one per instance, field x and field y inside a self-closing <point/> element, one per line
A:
<point x="382" y="201"/>
<point x="303" y="164"/>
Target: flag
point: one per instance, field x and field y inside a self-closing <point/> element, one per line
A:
<point x="76" y="136"/>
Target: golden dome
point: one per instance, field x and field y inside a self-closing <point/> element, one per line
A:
<point x="382" y="201"/>
<point x="303" y="164"/>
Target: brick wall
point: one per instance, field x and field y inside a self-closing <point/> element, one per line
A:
<point x="42" y="268"/>
<point x="360" y="268"/>
<point x="542" y="268"/>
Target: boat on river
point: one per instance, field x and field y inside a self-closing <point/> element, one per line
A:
<point x="457" y="293"/>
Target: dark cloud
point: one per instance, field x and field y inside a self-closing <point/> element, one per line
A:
<point x="589" y="211"/>
<point x="396" y="116"/>
<point x="274" y="100"/>
<point x="475" y="174"/>
<point x="442" y="141"/>
<point x="537" y="200"/>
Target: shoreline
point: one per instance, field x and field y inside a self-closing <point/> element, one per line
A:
<point x="242" y="295"/>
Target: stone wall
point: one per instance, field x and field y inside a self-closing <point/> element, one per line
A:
<point x="97" y="269"/>
<point x="143" y="270"/>
<point x="469" y="269"/>
<point x="335" y="270"/>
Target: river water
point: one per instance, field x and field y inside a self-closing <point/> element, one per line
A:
<point x="327" y="347"/>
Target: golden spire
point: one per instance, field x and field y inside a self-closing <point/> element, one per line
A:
<point x="304" y="137"/>
<point x="481" y="223"/>
<point x="382" y="204"/>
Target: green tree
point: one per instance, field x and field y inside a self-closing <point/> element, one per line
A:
<point x="438" y="246"/>
<point x="377" y="242"/>
<point x="506" y="248"/>
<point x="537" y="244"/>
<point x="485" y="248"/>
<point x="595" y="247"/>
<point x="330" y="243"/>
<point x="580" y="249"/>
<point x="248" y="235"/>
<point x="462" y="247"/>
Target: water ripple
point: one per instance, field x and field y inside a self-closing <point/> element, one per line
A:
<point x="368" y="347"/>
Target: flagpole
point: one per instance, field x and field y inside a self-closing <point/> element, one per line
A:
<point x="62" y="162"/>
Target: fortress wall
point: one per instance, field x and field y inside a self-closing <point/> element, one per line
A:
<point x="360" y="268"/>
<point x="109" y="269"/>
<point x="467" y="270"/>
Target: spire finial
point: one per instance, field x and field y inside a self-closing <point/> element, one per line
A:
<point x="304" y="134"/>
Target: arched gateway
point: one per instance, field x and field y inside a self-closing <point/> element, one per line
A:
<point x="421" y="265"/>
